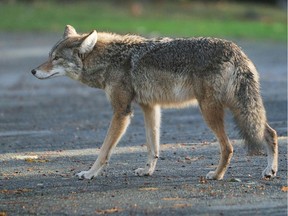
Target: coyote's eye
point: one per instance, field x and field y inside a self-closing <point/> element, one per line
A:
<point x="56" y="58"/>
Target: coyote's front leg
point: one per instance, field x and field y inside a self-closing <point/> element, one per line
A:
<point x="118" y="126"/>
<point x="152" y="117"/>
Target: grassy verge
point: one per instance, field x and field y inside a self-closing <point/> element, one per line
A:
<point x="182" y="19"/>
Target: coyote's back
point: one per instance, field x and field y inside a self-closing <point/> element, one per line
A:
<point x="180" y="70"/>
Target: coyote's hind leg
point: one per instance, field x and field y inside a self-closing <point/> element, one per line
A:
<point x="272" y="151"/>
<point x="214" y="116"/>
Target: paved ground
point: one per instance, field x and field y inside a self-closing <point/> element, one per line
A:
<point x="51" y="129"/>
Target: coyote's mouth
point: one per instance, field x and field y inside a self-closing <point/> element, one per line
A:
<point x="48" y="76"/>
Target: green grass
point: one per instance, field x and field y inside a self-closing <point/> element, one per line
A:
<point x="182" y="19"/>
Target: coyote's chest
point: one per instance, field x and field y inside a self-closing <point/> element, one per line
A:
<point x="173" y="92"/>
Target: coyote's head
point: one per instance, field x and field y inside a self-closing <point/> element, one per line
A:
<point x="67" y="55"/>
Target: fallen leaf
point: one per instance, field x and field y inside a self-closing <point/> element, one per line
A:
<point x="2" y="213"/>
<point x="172" y="198"/>
<point x="25" y="157"/>
<point x="181" y="205"/>
<point x="149" y="189"/>
<point x="203" y="180"/>
<point x="284" y="188"/>
<point x="32" y="160"/>
<point x="234" y="180"/>
<point x="108" y="211"/>
<point x="18" y="191"/>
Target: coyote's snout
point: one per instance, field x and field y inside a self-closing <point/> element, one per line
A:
<point x="48" y="70"/>
<point x="165" y="72"/>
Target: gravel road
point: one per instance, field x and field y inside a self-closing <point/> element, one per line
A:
<point x="51" y="129"/>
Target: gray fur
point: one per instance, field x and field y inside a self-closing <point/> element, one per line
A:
<point x="167" y="72"/>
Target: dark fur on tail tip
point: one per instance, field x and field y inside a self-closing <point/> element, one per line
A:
<point x="253" y="150"/>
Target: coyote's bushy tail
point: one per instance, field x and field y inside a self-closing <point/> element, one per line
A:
<point x="248" y="109"/>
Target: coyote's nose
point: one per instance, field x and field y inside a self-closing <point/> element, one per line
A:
<point x="33" y="71"/>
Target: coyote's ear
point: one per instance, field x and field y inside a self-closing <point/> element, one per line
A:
<point x="88" y="43"/>
<point x="69" y="31"/>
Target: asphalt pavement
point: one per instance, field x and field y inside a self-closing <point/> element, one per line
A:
<point x="52" y="129"/>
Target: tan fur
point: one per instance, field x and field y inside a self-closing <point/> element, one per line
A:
<point x="152" y="117"/>
<point x="161" y="73"/>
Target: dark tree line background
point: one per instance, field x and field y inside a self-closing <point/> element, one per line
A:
<point x="271" y="2"/>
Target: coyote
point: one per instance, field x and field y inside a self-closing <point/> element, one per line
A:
<point x="166" y="72"/>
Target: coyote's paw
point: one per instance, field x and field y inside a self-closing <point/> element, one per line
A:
<point x="269" y="173"/>
<point x="143" y="172"/>
<point x="85" y="175"/>
<point x="212" y="176"/>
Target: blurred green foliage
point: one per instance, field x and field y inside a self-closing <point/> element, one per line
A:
<point x="157" y="18"/>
